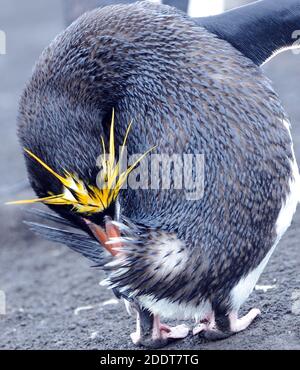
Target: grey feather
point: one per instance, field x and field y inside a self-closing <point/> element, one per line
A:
<point x="80" y="243"/>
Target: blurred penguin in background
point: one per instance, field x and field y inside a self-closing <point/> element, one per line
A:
<point x="195" y="8"/>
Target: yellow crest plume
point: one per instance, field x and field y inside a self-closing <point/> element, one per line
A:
<point x="86" y="198"/>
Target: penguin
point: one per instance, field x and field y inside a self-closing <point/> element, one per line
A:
<point x="188" y="87"/>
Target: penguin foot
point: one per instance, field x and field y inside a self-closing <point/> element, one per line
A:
<point x="151" y="333"/>
<point x="208" y="330"/>
<point x="231" y="324"/>
<point x="237" y="325"/>
<point x="166" y="332"/>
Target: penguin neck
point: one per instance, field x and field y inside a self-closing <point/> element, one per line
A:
<point x="259" y="30"/>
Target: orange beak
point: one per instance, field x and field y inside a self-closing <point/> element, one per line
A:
<point x="106" y="237"/>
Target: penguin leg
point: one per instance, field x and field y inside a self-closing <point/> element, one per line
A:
<point x="219" y="327"/>
<point x="209" y="329"/>
<point x="151" y="333"/>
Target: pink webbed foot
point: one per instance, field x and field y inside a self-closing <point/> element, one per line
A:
<point x="165" y="332"/>
<point x="151" y="333"/>
<point x="225" y="326"/>
<point x="237" y="325"/>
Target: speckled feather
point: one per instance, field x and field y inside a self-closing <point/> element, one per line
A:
<point x="187" y="92"/>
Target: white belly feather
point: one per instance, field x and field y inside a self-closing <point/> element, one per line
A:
<point x="245" y="286"/>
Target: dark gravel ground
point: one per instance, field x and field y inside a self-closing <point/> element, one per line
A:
<point x="45" y="283"/>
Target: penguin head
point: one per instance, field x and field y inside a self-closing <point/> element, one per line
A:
<point x="87" y="198"/>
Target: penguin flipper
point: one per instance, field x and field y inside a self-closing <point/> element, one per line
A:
<point x="79" y="243"/>
<point x="258" y="30"/>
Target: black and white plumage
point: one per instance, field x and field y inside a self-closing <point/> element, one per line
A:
<point x="188" y="91"/>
